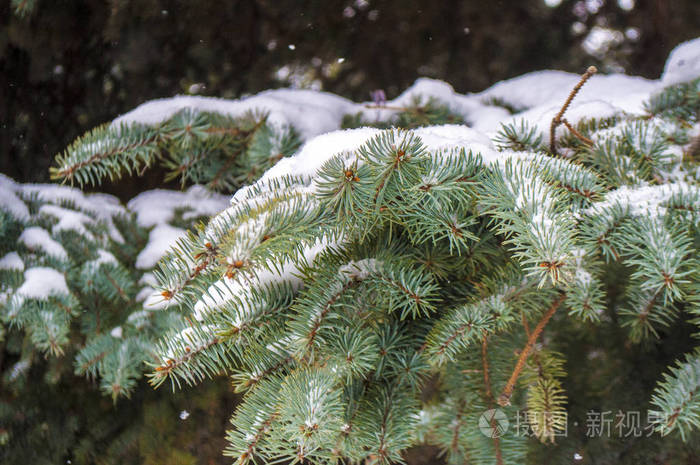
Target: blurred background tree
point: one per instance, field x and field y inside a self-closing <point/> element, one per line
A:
<point x="67" y="66"/>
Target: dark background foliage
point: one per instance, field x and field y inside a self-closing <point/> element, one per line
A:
<point x="68" y="66"/>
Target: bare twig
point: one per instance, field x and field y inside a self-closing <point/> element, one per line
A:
<point x="573" y="130"/>
<point x="525" y="325"/>
<point x="694" y="147"/>
<point x="558" y="119"/>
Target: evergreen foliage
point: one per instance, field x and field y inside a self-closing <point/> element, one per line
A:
<point x="398" y="293"/>
<point x="404" y="292"/>
<point x="198" y="147"/>
<point x="78" y="320"/>
<point x="421" y="112"/>
<point x="71" y="290"/>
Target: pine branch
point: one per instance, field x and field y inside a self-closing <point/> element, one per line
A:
<point x="678" y="398"/>
<point x="198" y="147"/>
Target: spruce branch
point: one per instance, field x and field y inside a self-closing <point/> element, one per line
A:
<point x="198" y="147"/>
<point x="518" y="137"/>
<point x="677" y="398"/>
<point x="347" y="300"/>
<point x="397" y="258"/>
<point x="385" y="107"/>
<point x="558" y="118"/>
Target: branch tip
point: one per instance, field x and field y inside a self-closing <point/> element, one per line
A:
<point x="559" y="118"/>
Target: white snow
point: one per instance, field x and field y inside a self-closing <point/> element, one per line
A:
<point x="67" y="219"/>
<point x="9" y="200"/>
<point x="316" y="152"/>
<point x="360" y="269"/>
<point x="441" y="138"/>
<point x="551" y="88"/>
<point x="74" y="210"/>
<point x="38" y="238"/>
<point x="312" y="155"/>
<point x="190" y="337"/>
<point x="41" y="283"/>
<point x="11" y="261"/>
<point x="541" y="117"/>
<point x="226" y="289"/>
<point x="152" y="299"/>
<point x="116" y="332"/>
<point x="683" y="63"/>
<point x="311" y="112"/>
<point x="158" y="206"/>
<point x="642" y="200"/>
<point x="103" y="206"/>
<point x="82" y="208"/>
<point x="160" y="239"/>
<point x="105" y="257"/>
<point x="19" y="368"/>
<point x="581" y="275"/>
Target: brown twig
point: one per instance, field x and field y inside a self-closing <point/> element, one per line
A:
<point x="573" y="130"/>
<point x="504" y="398"/>
<point x="558" y="119"/>
<point x="694" y="147"/>
<point x="485" y="363"/>
<point x="525" y="325"/>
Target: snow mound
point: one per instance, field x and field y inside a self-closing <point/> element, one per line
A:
<point x="683" y="63"/>
<point x="156" y="208"/>
<point x="311" y="112"/>
<point x="11" y="261"/>
<point x="36" y="238"/>
<point x="41" y="283"/>
<point x="159" y="206"/>
<point x="550" y="88"/>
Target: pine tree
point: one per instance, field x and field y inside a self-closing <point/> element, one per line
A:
<point x="397" y="293"/>
<point x="394" y="287"/>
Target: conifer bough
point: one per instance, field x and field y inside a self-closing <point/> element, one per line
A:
<point x="220" y="151"/>
<point x="376" y="291"/>
<point x="383" y="298"/>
